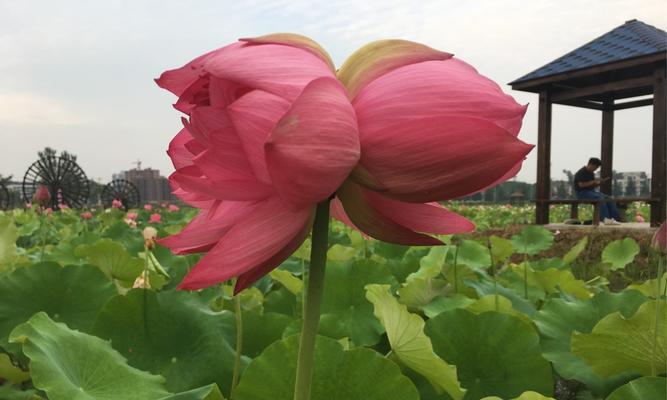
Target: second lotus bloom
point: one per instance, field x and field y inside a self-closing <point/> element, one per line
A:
<point x="272" y="130"/>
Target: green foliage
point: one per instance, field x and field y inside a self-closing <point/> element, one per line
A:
<point x="171" y="334"/>
<point x="70" y="365"/>
<point x="617" y="344"/>
<point x="338" y="374"/>
<point x="73" y="295"/>
<point x="8" y="235"/>
<point x="495" y="354"/>
<point x="575" y="251"/>
<point x="345" y="311"/>
<point x="112" y="259"/>
<point x="409" y="343"/>
<point x="620" y="253"/>
<point x="646" y="388"/>
<point x="532" y="239"/>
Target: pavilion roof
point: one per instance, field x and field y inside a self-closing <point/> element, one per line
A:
<point x="632" y="39"/>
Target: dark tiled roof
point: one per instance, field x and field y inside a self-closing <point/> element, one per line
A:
<point x="632" y="39"/>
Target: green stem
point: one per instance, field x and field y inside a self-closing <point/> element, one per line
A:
<point x="493" y="273"/>
<point x="239" y="344"/>
<point x="654" y="351"/>
<point x="311" y="318"/>
<point x="525" y="276"/>
<point x="456" y="269"/>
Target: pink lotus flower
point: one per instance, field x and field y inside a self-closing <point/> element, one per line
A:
<point x="86" y="215"/>
<point x="272" y="131"/>
<point x="115" y="203"/>
<point x="48" y="211"/>
<point x="148" y="207"/>
<point x="173" y="208"/>
<point x="42" y="196"/>
<point x="28" y="205"/>
<point x="132" y="216"/>
<point x="155" y="218"/>
<point x="639" y="218"/>
<point x="659" y="240"/>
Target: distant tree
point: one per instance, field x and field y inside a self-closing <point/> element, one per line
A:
<point x="50" y="152"/>
<point x="631" y="187"/>
<point x="561" y="190"/>
<point x="570" y="176"/>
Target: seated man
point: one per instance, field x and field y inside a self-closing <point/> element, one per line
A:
<point x="585" y="183"/>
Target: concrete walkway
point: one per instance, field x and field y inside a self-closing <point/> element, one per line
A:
<point x="627" y="226"/>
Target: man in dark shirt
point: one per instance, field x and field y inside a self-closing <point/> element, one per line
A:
<point x="585" y="183"/>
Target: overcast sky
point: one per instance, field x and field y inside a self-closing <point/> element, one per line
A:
<point x="78" y="75"/>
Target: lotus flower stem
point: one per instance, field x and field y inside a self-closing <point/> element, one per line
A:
<point x="315" y="289"/>
<point x="525" y="276"/>
<point x="456" y="277"/>
<point x="661" y="268"/>
<point x="239" y="344"/>
<point x="493" y="273"/>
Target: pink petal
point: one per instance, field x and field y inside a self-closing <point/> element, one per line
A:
<point x="222" y="187"/>
<point x="281" y="70"/>
<point x="291" y="39"/>
<point x="378" y="58"/>
<point x="207" y="228"/>
<point x="434" y="89"/>
<point x="438" y="158"/>
<point x="179" y="154"/>
<point x="314" y="146"/>
<point x="361" y="211"/>
<point x="254" y="116"/>
<point x="420" y="217"/>
<point x="247" y="278"/>
<point x="249" y="244"/>
<point x="659" y="240"/>
<point x="179" y="79"/>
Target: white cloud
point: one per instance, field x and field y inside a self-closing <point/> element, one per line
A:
<point x="31" y="109"/>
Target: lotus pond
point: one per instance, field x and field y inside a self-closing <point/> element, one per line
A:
<point x="89" y="310"/>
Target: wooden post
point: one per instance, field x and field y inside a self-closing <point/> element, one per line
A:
<point x="607" y="145"/>
<point x="543" y="186"/>
<point x="659" y="166"/>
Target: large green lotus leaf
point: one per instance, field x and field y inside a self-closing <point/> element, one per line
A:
<point x="446" y="303"/>
<point x="559" y="318"/>
<point x="645" y="388"/>
<point x="472" y="254"/>
<point x="209" y="392"/>
<point x="575" y="251"/>
<point x="553" y="280"/>
<point x="619" y="344"/>
<point x="532" y="239"/>
<point x="495" y="354"/>
<point x="338" y="252"/>
<point x="345" y="311"/>
<point x="417" y="293"/>
<point x="411" y="262"/>
<point x="112" y="259"/>
<point x="650" y="287"/>
<point x="8" y="235"/>
<point x="359" y="373"/>
<point x="620" y="253"/>
<point x="409" y="343"/>
<point x="486" y="287"/>
<point x="501" y="249"/>
<point x="70" y="365"/>
<point x="499" y="304"/>
<point x="431" y="264"/>
<point x="72" y="294"/>
<point x="260" y="330"/>
<point x="171" y="334"/>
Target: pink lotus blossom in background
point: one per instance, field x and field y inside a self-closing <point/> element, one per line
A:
<point x="28" y="205"/>
<point x="163" y="205"/>
<point x="155" y="218"/>
<point x="132" y="216"/>
<point x="63" y="206"/>
<point x="173" y="208"/>
<point x="272" y="130"/>
<point x="42" y="196"/>
<point x="148" y="207"/>
<point x="48" y="211"/>
<point x="659" y="240"/>
<point x="130" y="222"/>
<point x="86" y="215"/>
<point x="639" y="218"/>
<point x="115" y="203"/>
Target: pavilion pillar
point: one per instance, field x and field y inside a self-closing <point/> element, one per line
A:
<point x="659" y="163"/>
<point x="543" y="185"/>
<point x="607" y="145"/>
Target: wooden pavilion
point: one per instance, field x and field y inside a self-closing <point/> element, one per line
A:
<point x="616" y="71"/>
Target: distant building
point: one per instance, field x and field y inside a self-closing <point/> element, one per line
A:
<point x="152" y="186"/>
<point x="633" y="183"/>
